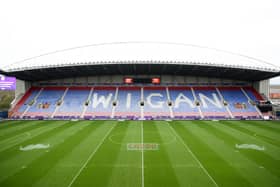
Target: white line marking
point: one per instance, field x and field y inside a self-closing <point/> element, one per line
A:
<point x="90" y="157"/>
<point x="193" y="155"/>
<point x="142" y="140"/>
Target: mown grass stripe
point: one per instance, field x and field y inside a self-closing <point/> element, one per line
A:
<point x="14" y="150"/>
<point x="14" y="131"/>
<point x="17" y="140"/>
<point x="8" y="124"/>
<point x="39" y="167"/>
<point x="268" y="128"/>
<point x="271" y="124"/>
<point x="15" y="160"/>
<point x="127" y="169"/>
<point x="246" y="130"/>
<point x="75" y="181"/>
<point x="212" y="142"/>
<point x="159" y="170"/>
<point x="64" y="170"/>
<point x="265" y="125"/>
<point x="15" y="126"/>
<point x="269" y="137"/>
<point x="217" y="166"/>
<point x="271" y="148"/>
<point x="94" y="173"/>
<point x="193" y="155"/>
<point x="259" y="157"/>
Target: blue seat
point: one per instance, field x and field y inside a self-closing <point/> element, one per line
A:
<point x="155" y="103"/>
<point x="183" y="104"/>
<point x="211" y="104"/>
<point x="128" y="103"/>
<point x="73" y="103"/>
<point x="101" y="102"/>
<point x="238" y="103"/>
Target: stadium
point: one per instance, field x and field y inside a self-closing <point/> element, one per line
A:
<point x="140" y="114"/>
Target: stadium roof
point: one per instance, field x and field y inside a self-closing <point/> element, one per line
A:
<point x="141" y="58"/>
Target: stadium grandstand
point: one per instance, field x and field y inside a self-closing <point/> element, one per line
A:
<point x="139" y="114"/>
<point x="140" y="80"/>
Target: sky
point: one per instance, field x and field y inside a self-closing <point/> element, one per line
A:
<point x="33" y="27"/>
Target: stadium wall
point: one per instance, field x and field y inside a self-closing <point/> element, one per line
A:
<point x="262" y="87"/>
<point x="21" y="87"/>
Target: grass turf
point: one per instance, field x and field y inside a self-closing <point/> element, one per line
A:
<point x="94" y="153"/>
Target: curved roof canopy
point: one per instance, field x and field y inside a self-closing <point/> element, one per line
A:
<point x="182" y="57"/>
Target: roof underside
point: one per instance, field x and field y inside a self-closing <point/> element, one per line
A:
<point x="141" y="69"/>
<point x="135" y="58"/>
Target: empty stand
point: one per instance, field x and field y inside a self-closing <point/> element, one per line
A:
<point x="211" y="103"/>
<point x="45" y="103"/>
<point x="183" y="103"/>
<point x="135" y="102"/>
<point x="24" y="102"/>
<point x="101" y="103"/>
<point x="128" y="103"/>
<point x="238" y="103"/>
<point x="253" y="94"/>
<point x="155" y="103"/>
<point x="73" y="103"/>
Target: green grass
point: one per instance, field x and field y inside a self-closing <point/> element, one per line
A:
<point x="94" y="153"/>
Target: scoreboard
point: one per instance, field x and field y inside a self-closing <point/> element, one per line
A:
<point x="131" y="80"/>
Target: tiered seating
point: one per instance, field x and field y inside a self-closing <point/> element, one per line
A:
<point x="253" y="94"/>
<point x="211" y="104"/>
<point x="238" y="103"/>
<point x="24" y="102"/>
<point x="155" y="103"/>
<point x="128" y="103"/>
<point x="101" y="103"/>
<point x="46" y="102"/>
<point x="73" y="103"/>
<point x="183" y="104"/>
